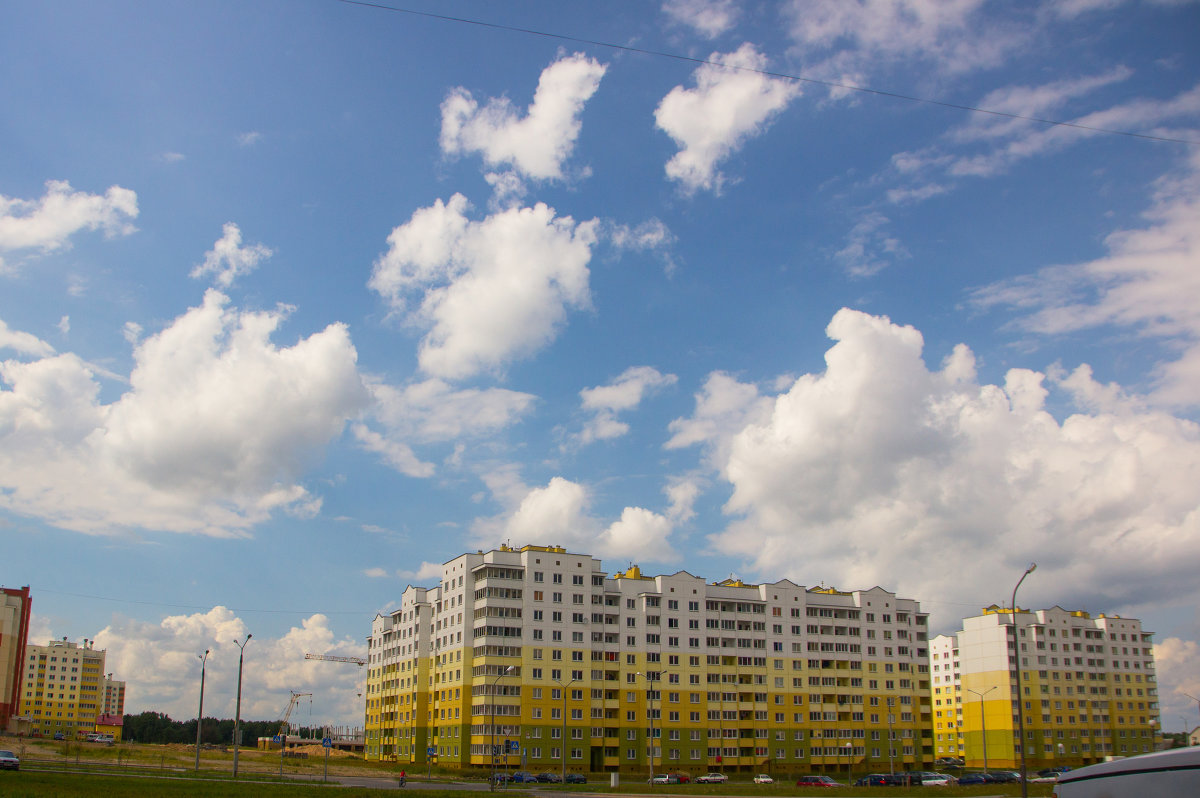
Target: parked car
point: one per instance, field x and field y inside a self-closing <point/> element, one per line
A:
<point x="59" y="736"/>
<point x="1005" y="777"/>
<point x="1053" y="771"/>
<point x="931" y="779"/>
<point x="816" y="781"/>
<point x="576" y="778"/>
<point x="9" y="761"/>
<point x="548" y="778"/>
<point x="975" y="778"/>
<point x="683" y="778"/>
<point x="664" y="778"/>
<point x="763" y="778"/>
<point x="880" y="780"/>
<point x="712" y="778"/>
<point x="517" y="777"/>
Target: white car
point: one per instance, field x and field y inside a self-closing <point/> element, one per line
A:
<point x="929" y="779"/>
<point x="9" y="761"/>
<point x="763" y="778"/>
<point x="712" y="778"/>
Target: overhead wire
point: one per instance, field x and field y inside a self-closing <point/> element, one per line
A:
<point x="766" y="72"/>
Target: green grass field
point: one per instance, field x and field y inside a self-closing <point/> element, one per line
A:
<point x="169" y="770"/>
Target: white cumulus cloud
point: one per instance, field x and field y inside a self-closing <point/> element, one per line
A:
<point x="486" y="292"/>
<point x="212" y="436"/>
<point x="731" y="103"/>
<point x="23" y="342"/>
<point x="624" y="393"/>
<point x="535" y="143"/>
<point x="48" y="223"/>
<point x="161" y="664"/>
<point x="228" y="259"/>
<point x="869" y="471"/>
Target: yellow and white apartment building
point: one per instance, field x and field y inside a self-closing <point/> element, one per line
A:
<point x="1088" y="689"/>
<point x="62" y="688"/>
<point x="538" y="651"/>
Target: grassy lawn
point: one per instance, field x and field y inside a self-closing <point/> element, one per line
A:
<point x="168" y="770"/>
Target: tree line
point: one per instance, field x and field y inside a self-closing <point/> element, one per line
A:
<point x="157" y="727"/>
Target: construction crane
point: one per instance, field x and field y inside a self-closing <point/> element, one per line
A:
<point x="283" y="726"/>
<point x="331" y="658"/>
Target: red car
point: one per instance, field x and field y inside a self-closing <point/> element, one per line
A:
<point x="816" y="781"/>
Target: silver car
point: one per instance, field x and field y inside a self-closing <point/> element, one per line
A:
<point x="9" y="761"/>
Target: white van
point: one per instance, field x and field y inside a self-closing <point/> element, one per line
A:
<point x="1165" y="774"/>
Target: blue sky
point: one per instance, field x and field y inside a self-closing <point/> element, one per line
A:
<point x="299" y="300"/>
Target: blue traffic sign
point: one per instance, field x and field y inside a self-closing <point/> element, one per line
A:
<point x="431" y="750"/>
<point x="327" y="742"/>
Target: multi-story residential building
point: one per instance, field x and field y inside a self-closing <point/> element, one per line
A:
<point x="14" y="630"/>
<point x="1087" y="692"/>
<point x="539" y="653"/>
<point x="113" y="702"/>
<point x="62" y="688"/>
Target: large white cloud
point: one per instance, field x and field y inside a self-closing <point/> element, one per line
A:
<point x="48" y="223"/>
<point x="160" y="664"/>
<point x="212" y="436"/>
<point x="1149" y="281"/>
<point x="537" y="143"/>
<point x="732" y="102"/>
<point x="881" y="471"/>
<point x="486" y="292"/>
<point x="23" y="342"/>
<point x="624" y="393"/>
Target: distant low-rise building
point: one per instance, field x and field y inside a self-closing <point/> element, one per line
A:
<point x="1088" y="689"/>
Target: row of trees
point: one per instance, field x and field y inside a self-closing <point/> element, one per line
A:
<point x="156" y="727"/>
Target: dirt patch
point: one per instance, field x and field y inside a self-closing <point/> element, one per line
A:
<point x="317" y="750"/>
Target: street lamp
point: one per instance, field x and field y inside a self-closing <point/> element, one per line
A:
<point x="983" y="721"/>
<point x="849" y="751"/>
<point x="891" y="734"/>
<point x="200" y="714"/>
<point x="508" y="670"/>
<point x="1020" y="696"/>
<point x="650" y="717"/>
<point x="237" y="719"/>
<point x="564" y="726"/>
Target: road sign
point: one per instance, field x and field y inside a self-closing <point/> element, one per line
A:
<point x="513" y="746"/>
<point x="431" y="751"/>
<point x="327" y="742"/>
<point x="276" y="739"/>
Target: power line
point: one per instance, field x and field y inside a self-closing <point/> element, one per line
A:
<point x="767" y="73"/>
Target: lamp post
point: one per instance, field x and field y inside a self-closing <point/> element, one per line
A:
<point x="891" y="750"/>
<point x="200" y="714"/>
<point x="508" y="670"/>
<point x="983" y="721"/>
<point x="849" y="751"/>
<point x="237" y="719"/>
<point x="564" y="727"/>
<point x="1020" y="696"/>
<point x="650" y="718"/>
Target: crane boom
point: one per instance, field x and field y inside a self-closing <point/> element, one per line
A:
<point x="283" y="726"/>
<point x="332" y="658"/>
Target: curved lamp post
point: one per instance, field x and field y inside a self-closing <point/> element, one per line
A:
<point x="237" y="719"/>
<point x="983" y="721"/>
<point x="508" y="670"/>
<point x="200" y="714"/>
<point x="1020" y="695"/>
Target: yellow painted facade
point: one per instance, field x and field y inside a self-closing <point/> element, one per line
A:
<point x="1088" y="689"/>
<point x="62" y="688"/>
<point x="540" y="649"/>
